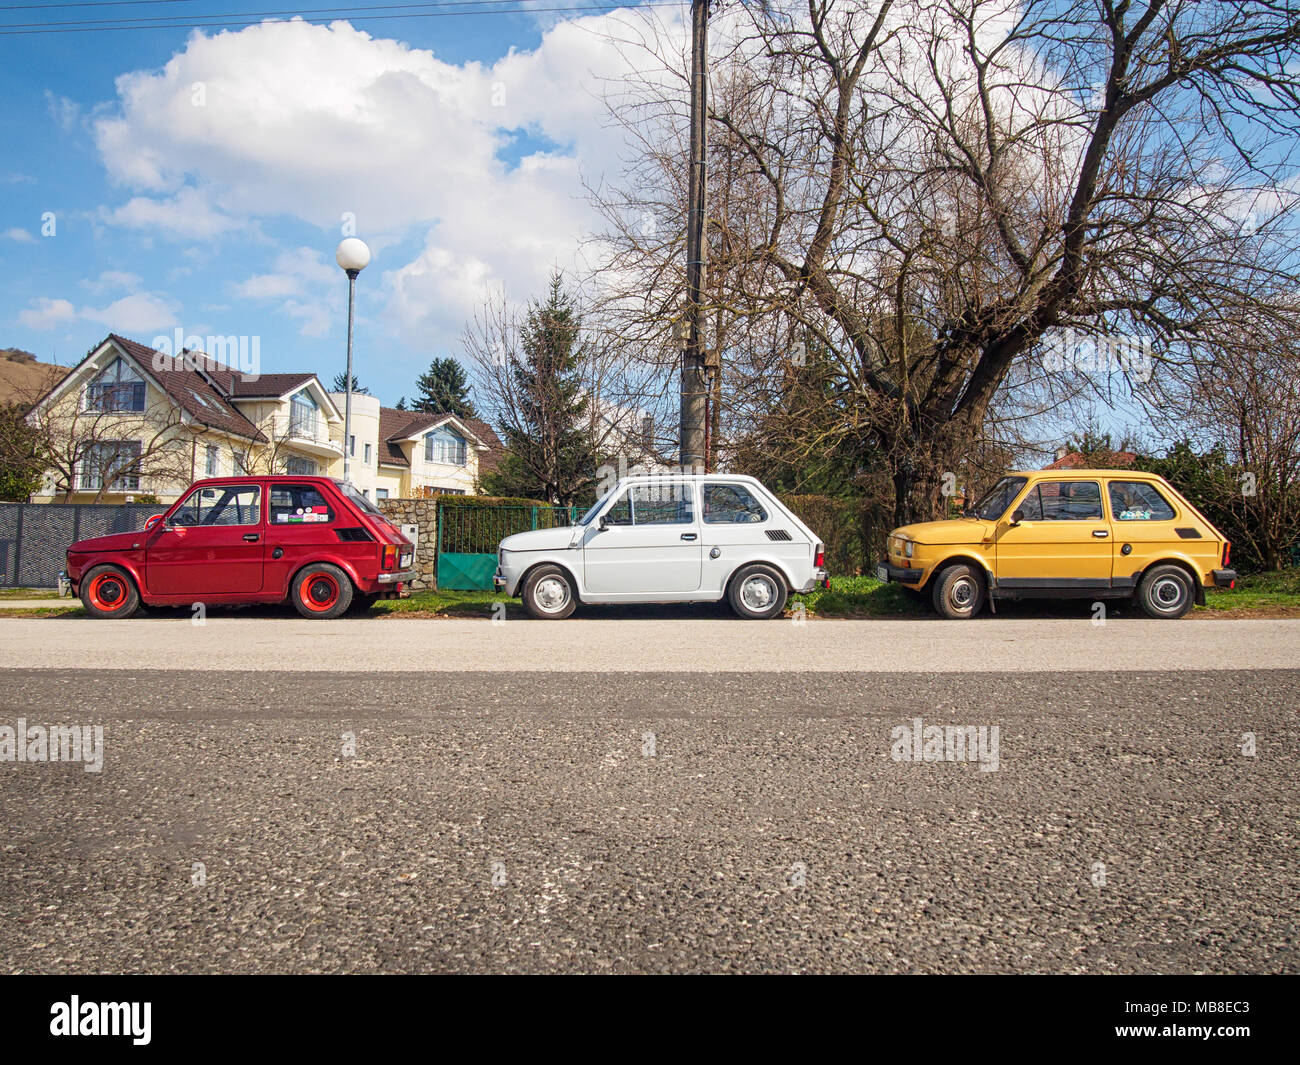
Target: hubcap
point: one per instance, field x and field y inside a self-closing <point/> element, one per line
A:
<point x="963" y="593"/>
<point x="320" y="592"/>
<point x="758" y="593"/>
<point x="551" y="594"/>
<point x="1167" y="592"/>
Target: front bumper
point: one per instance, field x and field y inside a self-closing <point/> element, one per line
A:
<point x="393" y="578"/>
<point x="897" y="574"/>
<point x="820" y="579"/>
<point x="1224" y="578"/>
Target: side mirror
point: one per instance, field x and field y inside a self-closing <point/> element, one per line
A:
<point x="1017" y="516"/>
<point x="604" y="523"/>
<point x="153" y="522"/>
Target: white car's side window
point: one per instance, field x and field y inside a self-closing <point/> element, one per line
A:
<point x="731" y="504"/>
<point x="663" y="504"/>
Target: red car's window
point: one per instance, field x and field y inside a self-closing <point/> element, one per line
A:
<point x="220" y="505"/>
<point x="299" y="504"/>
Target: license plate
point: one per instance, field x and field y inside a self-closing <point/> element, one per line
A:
<point x="406" y="559"/>
<point x="882" y="573"/>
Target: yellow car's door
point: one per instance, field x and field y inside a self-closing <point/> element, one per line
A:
<point x="1062" y="543"/>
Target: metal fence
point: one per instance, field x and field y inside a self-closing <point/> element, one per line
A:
<point x="468" y="535"/>
<point x="34" y="537"/>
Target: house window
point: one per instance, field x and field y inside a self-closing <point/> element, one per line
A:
<point x="381" y="493"/>
<point x="352" y="447"/>
<point x="211" y="460"/>
<point x="118" y="388"/>
<point x="444" y="446"/>
<point x="112" y="462"/>
<point x="240" y="462"/>
<point x="367" y="454"/>
<point x="302" y="415"/>
<point x="297" y="466"/>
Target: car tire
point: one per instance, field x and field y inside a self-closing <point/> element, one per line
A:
<point x="549" y="593"/>
<point x="757" y="593"/>
<point x="321" y="591"/>
<point x="958" y="592"/>
<point x="1166" y="593"/>
<point x="109" y="592"/>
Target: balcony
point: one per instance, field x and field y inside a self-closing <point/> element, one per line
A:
<point x="309" y="435"/>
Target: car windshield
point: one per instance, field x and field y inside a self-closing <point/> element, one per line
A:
<point x="586" y="518"/>
<point x="350" y="490"/>
<point x="998" y="498"/>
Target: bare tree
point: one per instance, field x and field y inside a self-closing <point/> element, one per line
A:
<point x="934" y="190"/>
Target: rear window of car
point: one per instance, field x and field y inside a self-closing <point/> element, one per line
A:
<point x="299" y="504"/>
<point x="1138" y="501"/>
<point x="1062" y="501"/>
<point x="731" y="504"/>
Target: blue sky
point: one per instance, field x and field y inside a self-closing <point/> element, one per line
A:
<point x="200" y="180"/>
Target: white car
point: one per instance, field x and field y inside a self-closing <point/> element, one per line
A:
<point x="656" y="539"/>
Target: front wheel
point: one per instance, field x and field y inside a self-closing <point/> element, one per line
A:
<point x="958" y="592"/>
<point x="107" y="592"/>
<point x="757" y="593"/>
<point x="548" y="593"/>
<point x="321" y="591"/>
<point x="1166" y="593"/>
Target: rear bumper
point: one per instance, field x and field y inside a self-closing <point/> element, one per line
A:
<point x="394" y="578"/>
<point x="819" y="579"/>
<point x="897" y="574"/>
<point x="1224" y="578"/>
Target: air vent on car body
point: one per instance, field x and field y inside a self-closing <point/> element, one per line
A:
<point x="777" y="534"/>
<point x="354" y="534"/>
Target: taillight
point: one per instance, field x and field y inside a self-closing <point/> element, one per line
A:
<point x="819" y="559"/>
<point x="1227" y="550"/>
<point x="390" y="556"/>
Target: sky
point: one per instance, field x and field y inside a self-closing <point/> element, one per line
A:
<point x="164" y="179"/>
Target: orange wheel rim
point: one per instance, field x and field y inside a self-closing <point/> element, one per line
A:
<point x="319" y="592"/>
<point x="108" y="592"/>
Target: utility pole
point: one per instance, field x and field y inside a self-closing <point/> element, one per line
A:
<point x="693" y="386"/>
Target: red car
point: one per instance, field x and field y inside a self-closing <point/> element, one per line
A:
<point x="315" y="541"/>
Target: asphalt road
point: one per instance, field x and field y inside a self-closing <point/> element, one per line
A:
<point x="650" y="821"/>
<point x="673" y="639"/>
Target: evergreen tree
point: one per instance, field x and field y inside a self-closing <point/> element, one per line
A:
<point x="340" y="384"/>
<point x="549" y="453"/>
<point x="444" y="389"/>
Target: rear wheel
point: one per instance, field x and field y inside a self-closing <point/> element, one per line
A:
<point x="549" y="594"/>
<point x="958" y="592"/>
<point x="757" y="593"/>
<point x="321" y="591"/>
<point x="107" y="592"/>
<point x="1166" y="592"/>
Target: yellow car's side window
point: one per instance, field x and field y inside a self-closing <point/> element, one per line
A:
<point x="1063" y="501"/>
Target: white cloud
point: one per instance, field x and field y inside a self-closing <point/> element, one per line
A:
<point x="19" y="234"/>
<point x="66" y="113"/>
<point x="45" y="313"/>
<point x="113" y="279"/>
<point x="311" y="122"/>
<point x="142" y="312"/>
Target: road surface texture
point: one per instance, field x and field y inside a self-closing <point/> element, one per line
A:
<point x="673" y="820"/>
<point x="673" y="641"/>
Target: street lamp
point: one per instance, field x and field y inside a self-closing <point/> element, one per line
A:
<point x="353" y="255"/>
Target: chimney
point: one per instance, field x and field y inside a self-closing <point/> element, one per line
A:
<point x="1061" y="452"/>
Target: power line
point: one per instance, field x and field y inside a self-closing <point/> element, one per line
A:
<point x="468" y="7"/>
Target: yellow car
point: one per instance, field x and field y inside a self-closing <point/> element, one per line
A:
<point x="1095" y="534"/>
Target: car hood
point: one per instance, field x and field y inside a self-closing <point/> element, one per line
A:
<point x="952" y="531"/>
<point x="113" y="542"/>
<point x="539" y="540"/>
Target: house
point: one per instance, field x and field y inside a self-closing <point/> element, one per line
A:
<point x="130" y="421"/>
<point x="1108" y="460"/>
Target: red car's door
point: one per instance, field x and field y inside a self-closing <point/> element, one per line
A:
<point x="211" y="544"/>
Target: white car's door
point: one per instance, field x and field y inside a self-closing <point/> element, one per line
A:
<point x="650" y="544"/>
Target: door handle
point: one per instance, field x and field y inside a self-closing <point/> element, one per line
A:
<point x="689" y="536"/>
<point x="251" y="538"/>
<point x="1100" y="534"/>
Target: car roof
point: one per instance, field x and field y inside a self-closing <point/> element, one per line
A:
<point x="1086" y="473"/>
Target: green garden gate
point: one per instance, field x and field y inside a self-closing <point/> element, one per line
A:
<point x="468" y="535"/>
